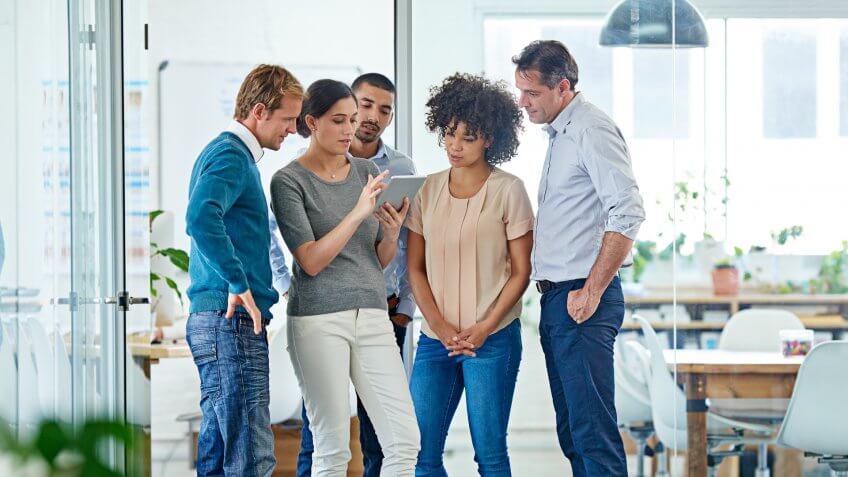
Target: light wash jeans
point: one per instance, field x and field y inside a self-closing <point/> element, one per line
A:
<point x="235" y="436"/>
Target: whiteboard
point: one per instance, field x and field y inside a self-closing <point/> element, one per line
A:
<point x="196" y="101"/>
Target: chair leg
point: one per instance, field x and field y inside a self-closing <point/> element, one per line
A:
<point x="838" y="464"/>
<point x="762" y="461"/>
<point x="640" y="456"/>
<point x="662" y="461"/>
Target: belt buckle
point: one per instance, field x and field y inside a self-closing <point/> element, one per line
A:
<point x="540" y="286"/>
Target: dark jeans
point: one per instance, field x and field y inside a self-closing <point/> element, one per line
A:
<point x="235" y="436"/>
<point x="372" y="453"/>
<point x="488" y="381"/>
<point x="579" y="360"/>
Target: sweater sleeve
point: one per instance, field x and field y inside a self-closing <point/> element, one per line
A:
<point x="217" y="188"/>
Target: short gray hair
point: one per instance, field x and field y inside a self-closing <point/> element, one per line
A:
<point x="551" y="59"/>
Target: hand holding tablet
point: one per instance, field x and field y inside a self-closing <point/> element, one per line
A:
<point x="399" y="188"/>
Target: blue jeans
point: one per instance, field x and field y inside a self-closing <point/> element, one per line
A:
<point x="489" y="384"/>
<point x="235" y="436"/>
<point x="579" y="361"/>
<point x="372" y="453"/>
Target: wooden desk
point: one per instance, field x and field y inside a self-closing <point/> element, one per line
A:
<point x="737" y="302"/>
<point x="811" y="322"/>
<point x="146" y="355"/>
<point x="726" y="374"/>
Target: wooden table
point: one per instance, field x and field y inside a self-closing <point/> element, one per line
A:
<point x="726" y="374"/>
<point x="734" y="303"/>
<point x="811" y="322"/>
<point x="146" y="355"/>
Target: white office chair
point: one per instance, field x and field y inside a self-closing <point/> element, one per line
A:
<point x="9" y="380"/>
<point x="668" y="408"/>
<point x="62" y="370"/>
<point x="43" y="356"/>
<point x="816" y="421"/>
<point x="633" y="401"/>
<point x="29" y="406"/>
<point x="756" y="330"/>
<point x="9" y="335"/>
<point x="138" y="408"/>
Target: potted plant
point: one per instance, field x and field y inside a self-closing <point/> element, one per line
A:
<point x="177" y="257"/>
<point x="56" y="450"/>
<point x="831" y="277"/>
<point x="725" y="278"/>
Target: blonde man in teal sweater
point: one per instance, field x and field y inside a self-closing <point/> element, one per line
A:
<point x="231" y="290"/>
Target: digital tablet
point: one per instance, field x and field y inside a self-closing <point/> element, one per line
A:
<point x="400" y="187"/>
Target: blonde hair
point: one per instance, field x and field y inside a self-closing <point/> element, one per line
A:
<point x="266" y="84"/>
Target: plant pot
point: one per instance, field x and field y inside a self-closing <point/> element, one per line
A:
<point x="726" y="281"/>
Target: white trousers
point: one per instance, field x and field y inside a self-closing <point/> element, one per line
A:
<point x="328" y="351"/>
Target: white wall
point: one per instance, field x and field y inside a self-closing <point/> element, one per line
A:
<point x="327" y="33"/>
<point x="294" y="34"/>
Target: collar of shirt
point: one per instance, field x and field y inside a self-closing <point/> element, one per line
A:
<point x="563" y="119"/>
<point x="380" y="158"/>
<point x="247" y="138"/>
<point x="381" y="152"/>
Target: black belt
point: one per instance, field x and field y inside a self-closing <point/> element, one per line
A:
<point x="545" y="286"/>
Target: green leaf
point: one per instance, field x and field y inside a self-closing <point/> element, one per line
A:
<point x="173" y="286"/>
<point x="91" y="438"/>
<point x="154" y="277"/>
<point x="52" y="439"/>
<point x="737" y="251"/>
<point x="153" y="214"/>
<point x="178" y="257"/>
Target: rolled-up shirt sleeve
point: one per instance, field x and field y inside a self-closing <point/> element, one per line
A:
<point x="406" y="305"/>
<point x="605" y="156"/>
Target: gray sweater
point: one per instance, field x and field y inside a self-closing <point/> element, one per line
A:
<point x="308" y="208"/>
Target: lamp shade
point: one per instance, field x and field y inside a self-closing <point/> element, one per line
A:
<point x="647" y="24"/>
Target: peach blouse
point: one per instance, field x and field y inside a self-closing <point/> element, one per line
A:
<point x="466" y="250"/>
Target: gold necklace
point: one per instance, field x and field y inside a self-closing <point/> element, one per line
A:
<point x="333" y="174"/>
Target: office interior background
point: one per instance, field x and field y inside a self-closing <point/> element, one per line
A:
<point x="738" y="148"/>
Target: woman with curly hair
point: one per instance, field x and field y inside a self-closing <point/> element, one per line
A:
<point x="469" y="263"/>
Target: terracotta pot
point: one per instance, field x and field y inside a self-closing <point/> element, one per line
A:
<point x="726" y="281"/>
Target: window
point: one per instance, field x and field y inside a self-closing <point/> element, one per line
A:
<point x="843" y="83"/>
<point x="789" y="83"/>
<point x="594" y="62"/>
<point x="656" y="93"/>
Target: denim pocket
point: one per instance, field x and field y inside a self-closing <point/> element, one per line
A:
<point x="204" y="351"/>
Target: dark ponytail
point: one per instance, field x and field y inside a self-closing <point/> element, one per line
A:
<point x="320" y="97"/>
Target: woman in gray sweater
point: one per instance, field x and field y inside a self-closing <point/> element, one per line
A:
<point x="337" y="328"/>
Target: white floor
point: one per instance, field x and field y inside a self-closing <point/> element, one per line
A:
<point x="533" y="447"/>
<point x="532" y="439"/>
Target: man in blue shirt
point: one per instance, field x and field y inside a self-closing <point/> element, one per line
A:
<point x="589" y="213"/>
<point x="231" y="290"/>
<point x="376" y="95"/>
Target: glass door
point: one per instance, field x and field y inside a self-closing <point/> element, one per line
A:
<point x="108" y="357"/>
<point x="64" y="354"/>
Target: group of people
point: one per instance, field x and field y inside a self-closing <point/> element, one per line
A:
<point x="462" y="251"/>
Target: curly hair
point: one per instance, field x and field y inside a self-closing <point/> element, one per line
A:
<point x="487" y="108"/>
